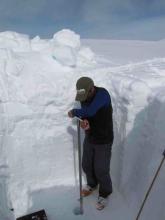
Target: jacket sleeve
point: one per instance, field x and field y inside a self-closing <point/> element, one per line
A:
<point x="102" y="98"/>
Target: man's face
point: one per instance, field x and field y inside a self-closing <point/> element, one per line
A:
<point x="90" y="93"/>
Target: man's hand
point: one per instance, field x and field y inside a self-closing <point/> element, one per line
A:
<point x="70" y="114"/>
<point x="85" y="124"/>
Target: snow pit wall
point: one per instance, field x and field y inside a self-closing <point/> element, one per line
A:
<point x="37" y="137"/>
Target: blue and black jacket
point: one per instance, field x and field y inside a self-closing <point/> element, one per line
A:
<point x="98" y="111"/>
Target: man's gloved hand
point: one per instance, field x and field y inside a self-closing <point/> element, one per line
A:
<point x="84" y="124"/>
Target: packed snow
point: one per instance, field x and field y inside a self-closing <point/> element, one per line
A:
<point x="38" y="142"/>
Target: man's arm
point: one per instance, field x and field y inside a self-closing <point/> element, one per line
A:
<point x="101" y="99"/>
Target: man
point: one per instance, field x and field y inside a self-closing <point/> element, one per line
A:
<point x="96" y="112"/>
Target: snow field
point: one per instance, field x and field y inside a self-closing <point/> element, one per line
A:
<point x="38" y="150"/>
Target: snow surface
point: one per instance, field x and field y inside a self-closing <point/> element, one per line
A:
<point x="38" y="142"/>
